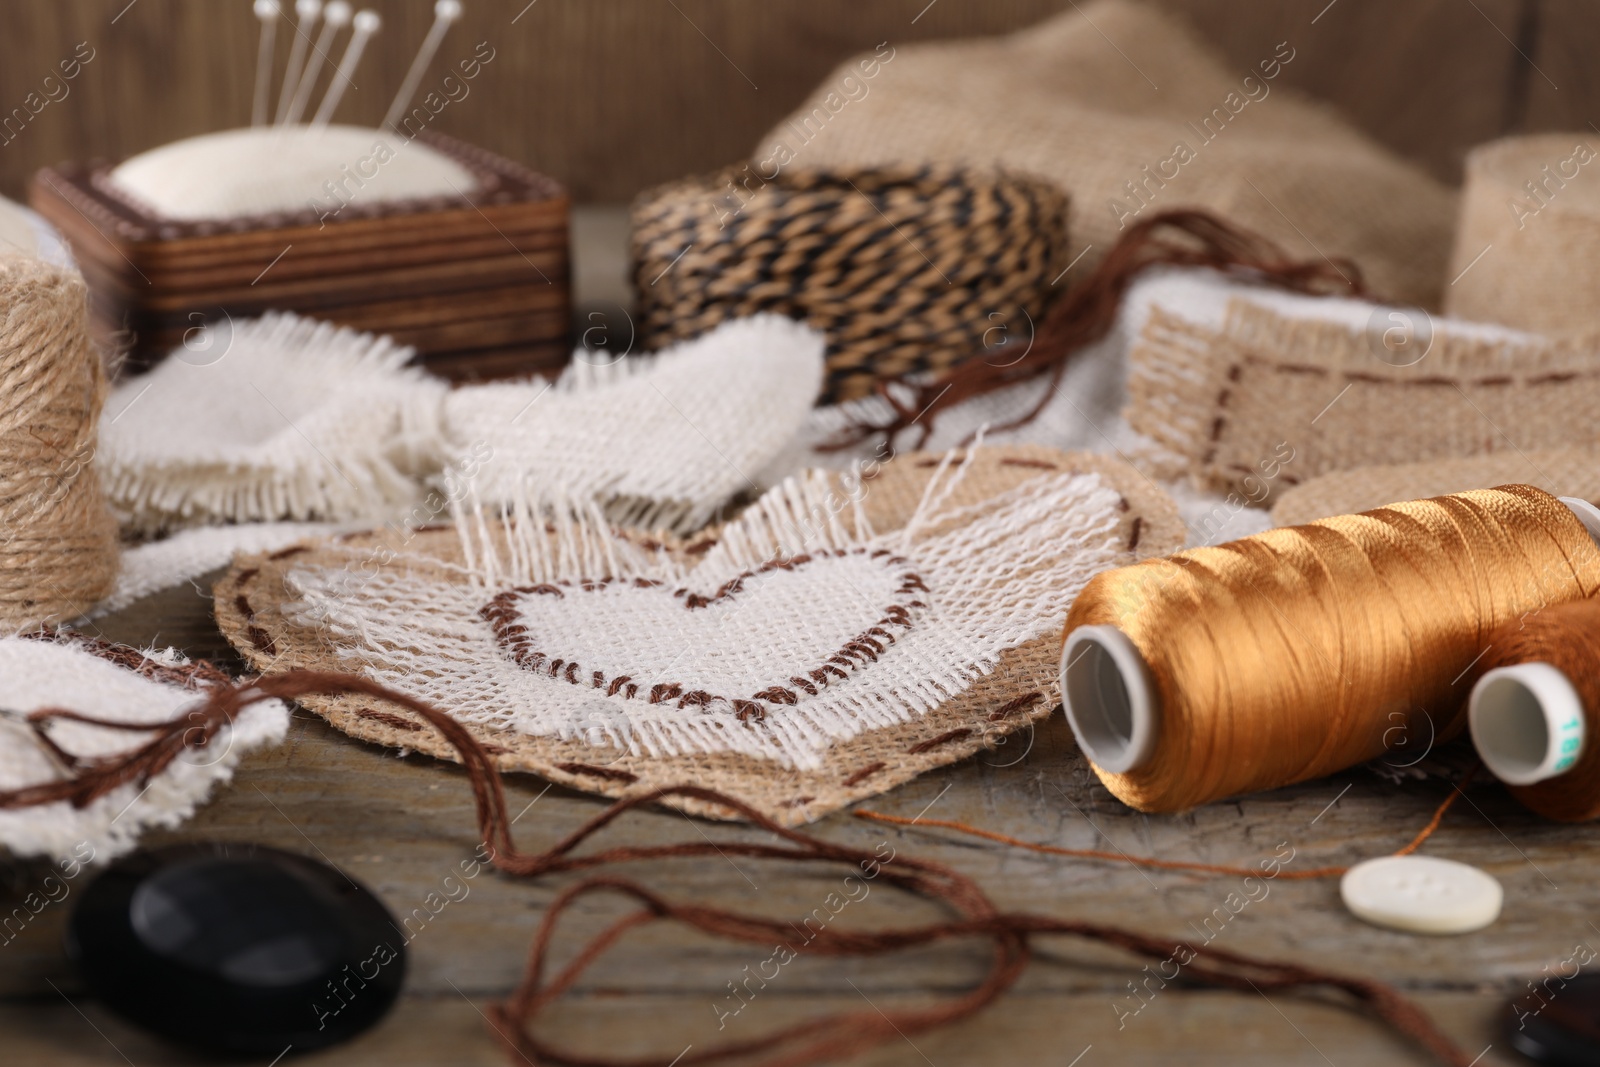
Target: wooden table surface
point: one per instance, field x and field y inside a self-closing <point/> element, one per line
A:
<point x="401" y="825"/>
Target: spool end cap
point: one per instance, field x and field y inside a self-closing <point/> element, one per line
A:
<point x="1109" y="697"/>
<point x="1527" y="722"/>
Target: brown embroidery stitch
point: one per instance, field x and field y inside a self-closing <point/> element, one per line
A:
<point x="863" y="774"/>
<point x="1026" y="700"/>
<point x="935" y="742"/>
<point x="598" y="772"/>
<point x="389" y="719"/>
<point x="503" y="615"/>
<point x="262" y="640"/>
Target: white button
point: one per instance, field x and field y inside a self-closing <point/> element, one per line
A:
<point x="1421" y="894"/>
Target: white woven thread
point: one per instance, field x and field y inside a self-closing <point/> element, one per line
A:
<point x="297" y="419"/>
<point x="301" y="420"/>
<point x="665" y="440"/>
<point x="188" y="554"/>
<point x="39" y="674"/>
<point x="997" y="575"/>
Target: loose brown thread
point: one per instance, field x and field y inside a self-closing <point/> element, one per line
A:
<point x="1151" y="861"/>
<point x="826" y="1038"/>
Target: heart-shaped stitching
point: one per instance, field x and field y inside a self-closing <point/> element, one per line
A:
<point x="508" y="615"/>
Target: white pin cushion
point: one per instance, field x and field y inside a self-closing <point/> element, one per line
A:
<point x="260" y="170"/>
<point x="1421" y="894"/>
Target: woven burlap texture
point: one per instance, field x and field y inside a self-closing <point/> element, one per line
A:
<point x="904" y="270"/>
<point x="119" y="684"/>
<point x="1525" y="252"/>
<point x="664" y="439"/>
<point x="1096" y="100"/>
<point x="281" y="417"/>
<point x="256" y="608"/>
<point x="288" y="418"/>
<point x="1267" y="384"/>
<point x="58" y="540"/>
<point x="1562" y="472"/>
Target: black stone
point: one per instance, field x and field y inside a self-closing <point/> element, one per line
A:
<point x="1559" y="1022"/>
<point x="237" y="949"/>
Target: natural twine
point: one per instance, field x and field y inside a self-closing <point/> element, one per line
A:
<point x="58" y="540"/>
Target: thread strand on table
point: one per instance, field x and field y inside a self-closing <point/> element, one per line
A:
<point x="816" y="1040"/>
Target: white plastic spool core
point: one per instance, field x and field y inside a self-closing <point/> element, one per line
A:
<point x="1527" y="722"/>
<point x="1109" y="697"/>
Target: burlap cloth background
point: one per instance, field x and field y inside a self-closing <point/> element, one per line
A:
<point x="1530" y="224"/>
<point x="1090" y="98"/>
<point x="1563" y="472"/>
<point x="1226" y="399"/>
<point x="250" y="599"/>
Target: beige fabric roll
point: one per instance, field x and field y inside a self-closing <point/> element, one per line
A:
<point x="1563" y="472"/>
<point x="1527" y="253"/>
<point x="1131" y="114"/>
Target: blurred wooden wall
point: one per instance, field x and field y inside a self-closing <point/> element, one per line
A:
<point x="613" y="95"/>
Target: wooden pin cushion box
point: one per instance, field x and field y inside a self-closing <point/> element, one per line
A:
<point x="478" y="283"/>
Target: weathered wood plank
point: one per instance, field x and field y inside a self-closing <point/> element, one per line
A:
<point x="1031" y="1027"/>
<point x="403" y="826"/>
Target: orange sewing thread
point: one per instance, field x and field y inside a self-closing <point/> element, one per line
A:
<point x="1551" y="762"/>
<point x="1301" y="651"/>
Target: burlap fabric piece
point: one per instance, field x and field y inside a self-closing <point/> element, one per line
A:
<point x="1525" y="252"/>
<point x="903" y="270"/>
<point x="1097" y="100"/>
<point x="1266" y="385"/>
<point x="137" y="689"/>
<point x="1563" y="472"/>
<point x="253" y="605"/>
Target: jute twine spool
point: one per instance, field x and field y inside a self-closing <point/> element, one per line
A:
<point x="904" y="270"/>
<point x="58" y="540"/>
<point x="1536" y="711"/>
<point x="1303" y="650"/>
<point x="1531" y="211"/>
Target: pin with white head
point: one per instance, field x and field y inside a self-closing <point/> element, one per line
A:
<point x="362" y="27"/>
<point x="335" y="17"/>
<point x="267" y="11"/>
<point x="445" y="12"/>
<point x="307" y="12"/>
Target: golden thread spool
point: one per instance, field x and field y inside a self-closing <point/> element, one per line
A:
<point x="1304" y="650"/>
<point x="1535" y="712"/>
